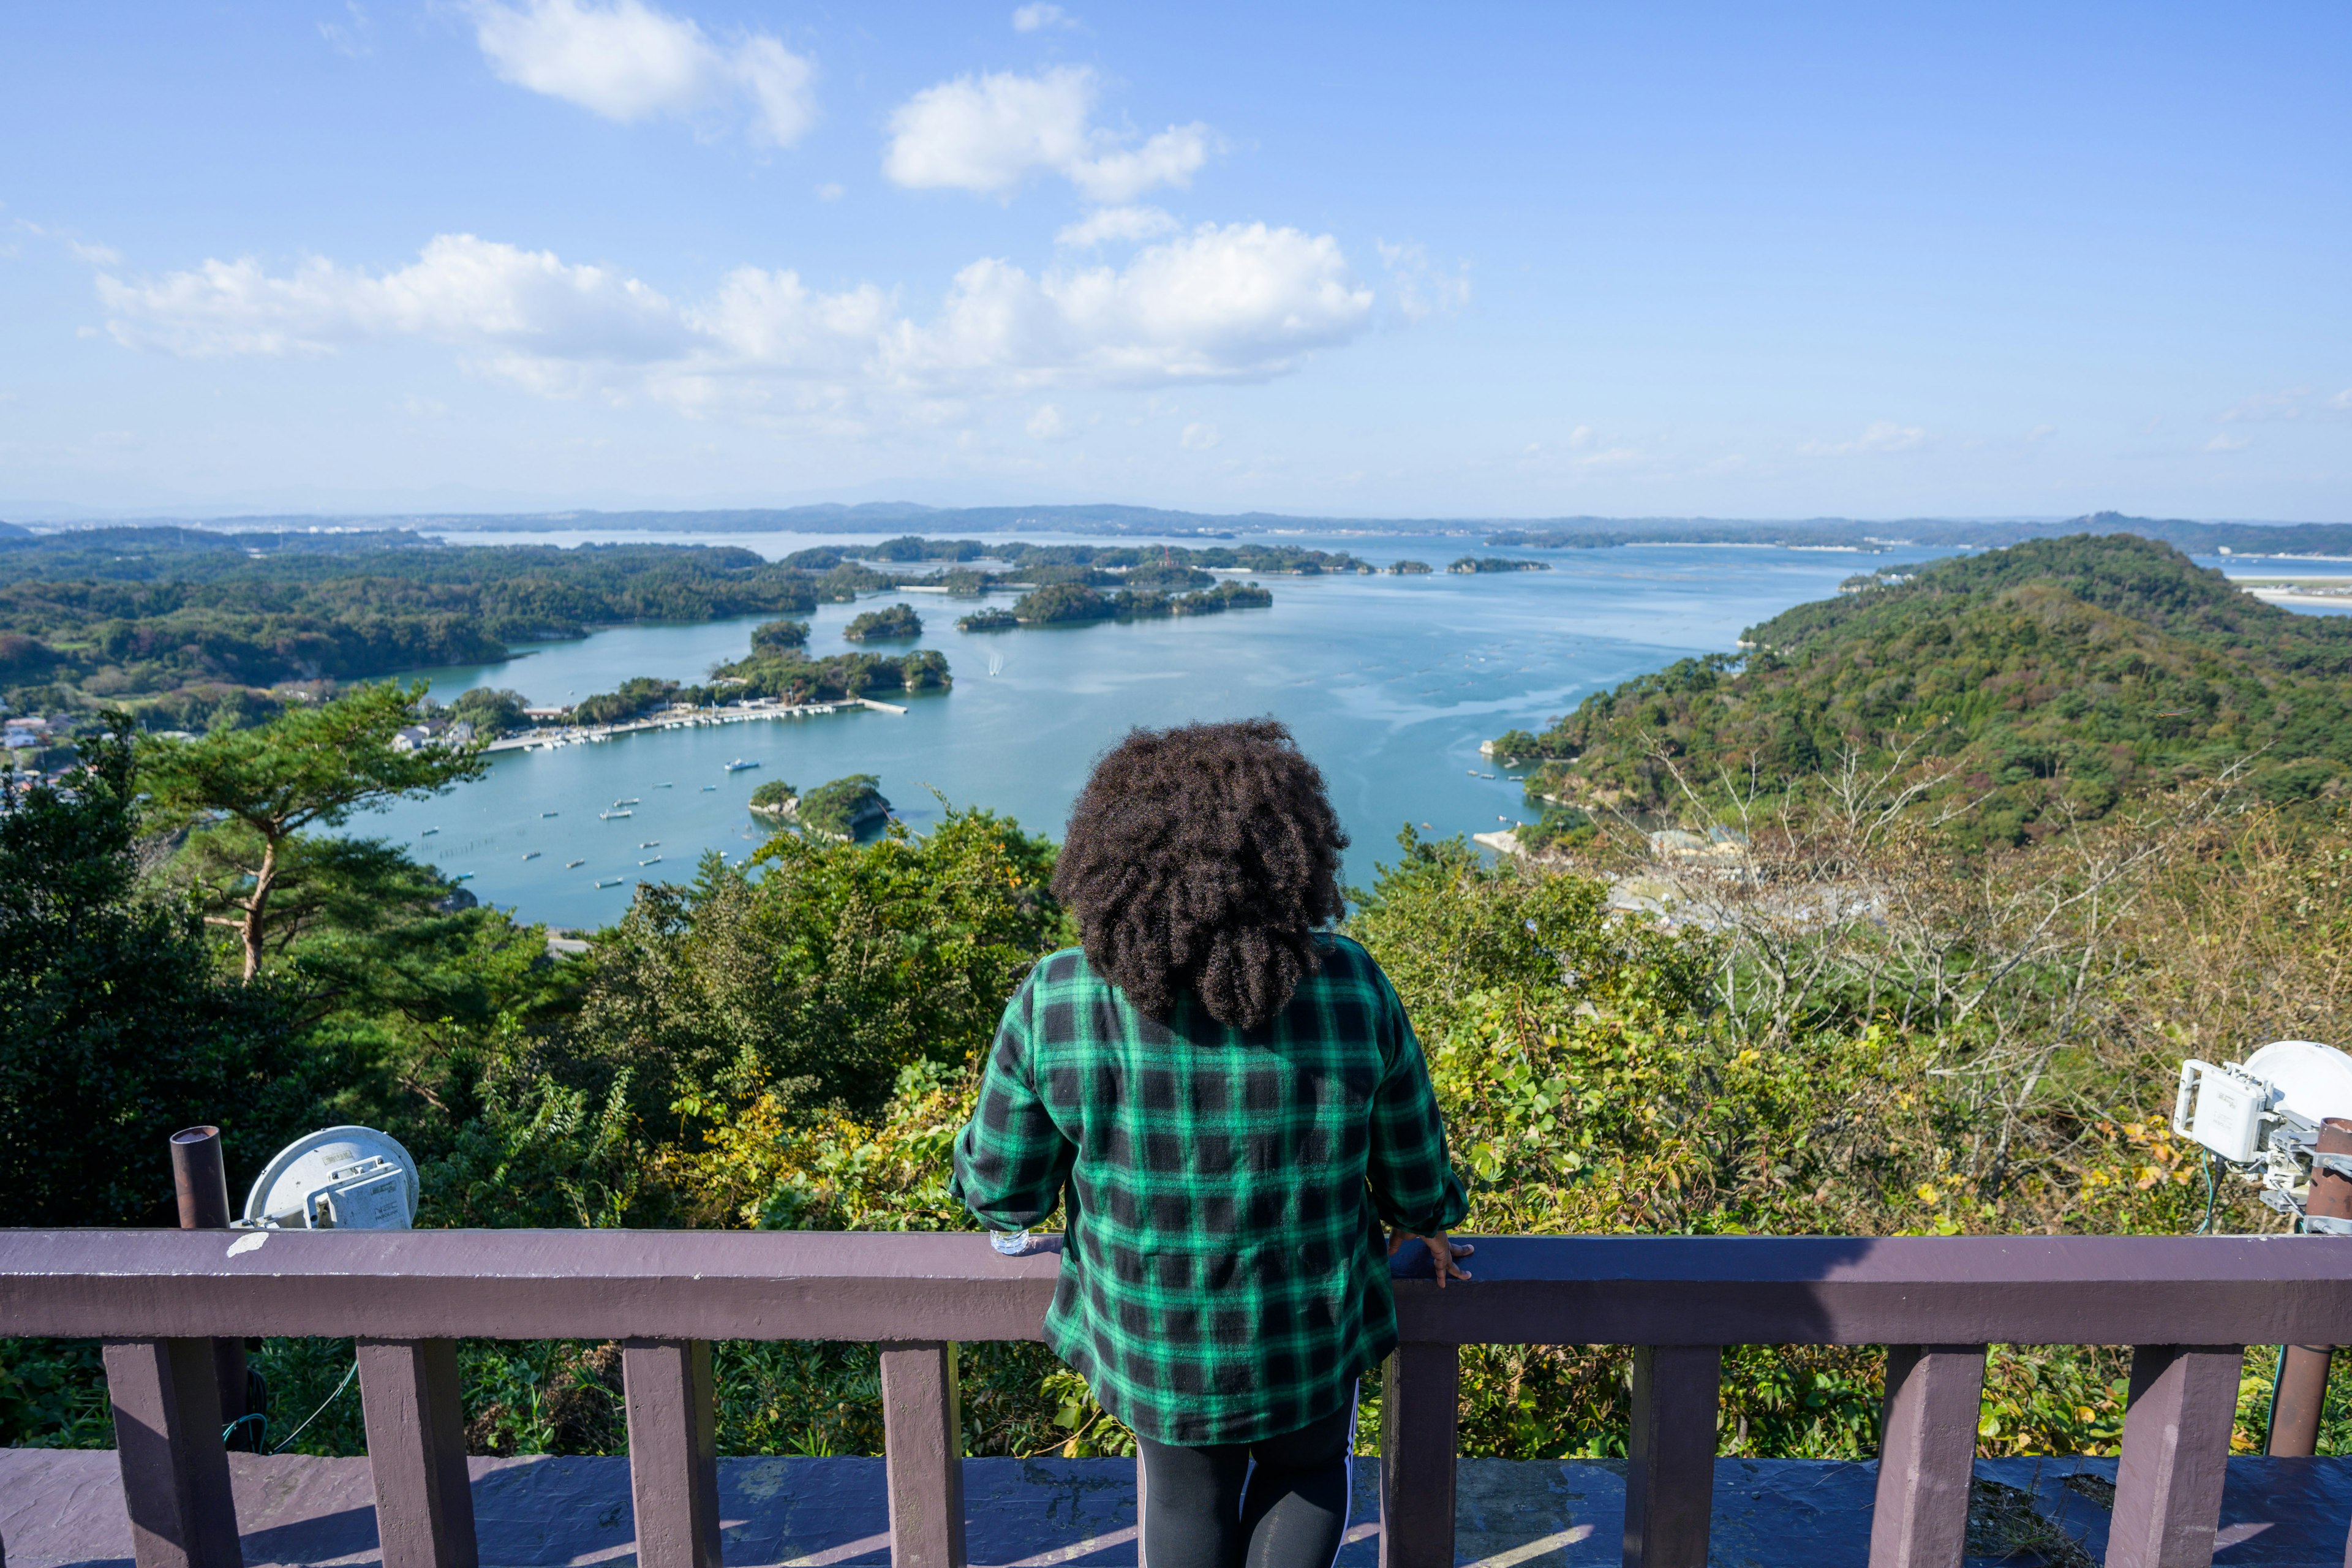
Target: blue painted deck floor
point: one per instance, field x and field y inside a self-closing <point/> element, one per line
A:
<point x="59" y="1507"/>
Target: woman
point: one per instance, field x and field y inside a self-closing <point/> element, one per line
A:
<point x="1228" y="1099"/>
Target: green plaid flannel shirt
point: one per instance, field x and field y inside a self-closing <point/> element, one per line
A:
<point x="1224" y="1276"/>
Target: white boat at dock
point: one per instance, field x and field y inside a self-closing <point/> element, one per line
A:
<point x="568" y="865"/>
<point x="655" y="861"/>
<point x="613" y="815"/>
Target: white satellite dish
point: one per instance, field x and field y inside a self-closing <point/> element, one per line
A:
<point x="2309" y="1081"/>
<point x="338" y="1178"/>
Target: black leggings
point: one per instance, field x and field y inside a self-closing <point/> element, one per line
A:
<point x="1212" y="1508"/>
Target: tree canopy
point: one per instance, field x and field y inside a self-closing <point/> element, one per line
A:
<point x="115" y="1026"/>
<point x="312" y="766"/>
<point x="2051" y="680"/>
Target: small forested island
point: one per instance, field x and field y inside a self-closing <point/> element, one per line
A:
<point x="843" y="809"/>
<point x="1471" y="565"/>
<point x="1067" y="603"/>
<point x="793" y="677"/>
<point x="988" y="621"/>
<point x="774" y="639"/>
<point x="1411" y="569"/>
<point x="2042" y="684"/>
<point x="897" y="623"/>
<point x="776" y="668"/>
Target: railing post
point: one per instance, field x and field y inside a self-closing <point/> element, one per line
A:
<point x="2183" y="1404"/>
<point x="922" y="1439"/>
<point x="1927" y="1456"/>
<point x="1670" y="1457"/>
<point x="1420" y="1403"/>
<point x="416" y="1453"/>
<point x="167" y="1437"/>
<point x="673" y="1451"/>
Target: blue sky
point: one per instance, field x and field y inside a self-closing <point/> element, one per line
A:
<point x="1377" y="260"/>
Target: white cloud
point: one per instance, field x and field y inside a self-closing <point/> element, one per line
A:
<point x="2229" y="444"/>
<point x="1243" y="303"/>
<point x="989" y="133"/>
<point x="829" y="191"/>
<point x="627" y="61"/>
<point x="1240" y="302"/>
<point x="1421" y="290"/>
<point x="354" y="40"/>
<point x="471" y="292"/>
<point x="1122" y="225"/>
<point x="1880" y="437"/>
<point x="772" y="321"/>
<point x="1171" y="158"/>
<point x="2040" y="434"/>
<point x="1035" y="18"/>
<point x="1048" y="423"/>
<point x="2342" y="401"/>
<point x="2267" y="406"/>
<point x="1199" y="437"/>
<point x="80" y="251"/>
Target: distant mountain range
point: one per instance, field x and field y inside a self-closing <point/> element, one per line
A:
<point x="2312" y="539"/>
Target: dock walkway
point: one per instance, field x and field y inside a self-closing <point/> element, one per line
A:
<point x="550" y="738"/>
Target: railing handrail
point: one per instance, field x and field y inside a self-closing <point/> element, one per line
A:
<point x="911" y="1286"/>
<point x="161" y="1299"/>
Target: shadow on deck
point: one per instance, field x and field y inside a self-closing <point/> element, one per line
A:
<point x="65" y="1507"/>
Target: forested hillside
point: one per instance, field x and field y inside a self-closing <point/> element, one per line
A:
<point x="2055" y="678"/>
<point x="190" y="629"/>
<point x="176" y="621"/>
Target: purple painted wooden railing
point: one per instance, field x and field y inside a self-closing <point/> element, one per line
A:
<point x="156" y="1298"/>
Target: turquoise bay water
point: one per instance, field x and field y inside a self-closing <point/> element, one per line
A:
<point x="1389" y="684"/>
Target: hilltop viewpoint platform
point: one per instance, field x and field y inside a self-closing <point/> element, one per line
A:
<point x="61" y="1506"/>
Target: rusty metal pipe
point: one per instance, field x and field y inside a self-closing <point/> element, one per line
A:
<point x="2303" y="1372"/>
<point x="200" y="1180"/>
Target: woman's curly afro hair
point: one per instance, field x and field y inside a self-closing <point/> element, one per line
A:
<point x="1204" y="858"/>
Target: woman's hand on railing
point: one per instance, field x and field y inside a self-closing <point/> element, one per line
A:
<point x="1442" y="1253"/>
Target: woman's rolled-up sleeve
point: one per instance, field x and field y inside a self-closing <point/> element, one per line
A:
<point x="1413" y="1183"/>
<point x="1011" y="1159"/>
